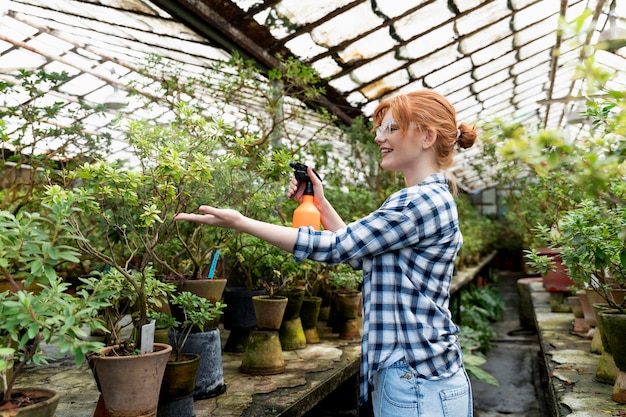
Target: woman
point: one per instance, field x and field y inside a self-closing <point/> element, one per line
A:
<point x="411" y="362"/>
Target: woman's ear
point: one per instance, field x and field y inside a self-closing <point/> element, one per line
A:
<point x="429" y="138"/>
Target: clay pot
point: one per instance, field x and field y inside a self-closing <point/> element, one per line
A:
<point x="130" y="385"/>
<point x="269" y="311"/>
<point x="44" y="408"/>
<point x="615" y="327"/>
<point x="348" y="304"/>
<point x="557" y="279"/>
<point x="309" y="314"/>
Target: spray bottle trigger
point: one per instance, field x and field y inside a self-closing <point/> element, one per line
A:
<point x="301" y="174"/>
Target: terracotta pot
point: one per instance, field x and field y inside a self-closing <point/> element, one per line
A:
<point x="176" y="397"/>
<point x="44" y="408"/>
<point x="211" y="289"/>
<point x="576" y="306"/>
<point x="130" y="385"/>
<point x="348" y="306"/>
<point x="580" y="325"/>
<point x="606" y="370"/>
<point x="291" y="332"/>
<point x="294" y="303"/>
<point x="269" y="311"/>
<point x="557" y="279"/>
<point x="614" y="325"/>
<point x="588" y="313"/>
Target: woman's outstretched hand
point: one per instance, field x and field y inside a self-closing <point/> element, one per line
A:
<point x="280" y="236"/>
<point x="213" y="216"/>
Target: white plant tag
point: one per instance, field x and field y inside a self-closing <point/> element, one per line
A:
<point x="147" y="337"/>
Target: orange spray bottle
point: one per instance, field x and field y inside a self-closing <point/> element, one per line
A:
<point x="306" y="214"/>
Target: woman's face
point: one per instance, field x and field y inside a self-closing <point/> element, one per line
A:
<point x="399" y="152"/>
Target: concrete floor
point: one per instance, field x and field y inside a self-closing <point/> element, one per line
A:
<point x="514" y="361"/>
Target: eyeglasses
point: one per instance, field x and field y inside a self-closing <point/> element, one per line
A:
<point x="386" y="129"/>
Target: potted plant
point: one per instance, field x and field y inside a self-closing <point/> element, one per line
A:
<point x="347" y="300"/>
<point x="263" y="350"/>
<point x="130" y="368"/>
<point x="312" y="280"/>
<point x="194" y="369"/>
<point x="33" y="246"/>
<point x="590" y="224"/>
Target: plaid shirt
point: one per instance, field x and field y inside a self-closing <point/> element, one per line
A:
<point x="407" y="250"/>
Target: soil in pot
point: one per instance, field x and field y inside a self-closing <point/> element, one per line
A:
<point x="32" y="402"/>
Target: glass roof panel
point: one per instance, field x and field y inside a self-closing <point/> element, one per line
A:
<point x="450" y="72"/>
<point x="430" y="41"/>
<point x="489" y="57"/>
<point x="422" y="20"/>
<point x="485" y="36"/>
<point x="370" y="46"/>
<point x="342" y="27"/>
<point x="302" y="12"/>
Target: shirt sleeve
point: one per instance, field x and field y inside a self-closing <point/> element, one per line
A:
<point x="400" y="222"/>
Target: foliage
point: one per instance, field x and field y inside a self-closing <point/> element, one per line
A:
<point x="123" y="299"/>
<point x="480" y="234"/>
<point x="595" y="247"/>
<point x="136" y="207"/>
<point x="344" y="278"/>
<point x="197" y="313"/>
<point x="479" y="308"/>
<point x="39" y="137"/>
<point x="577" y="180"/>
<point x="472" y="362"/>
<point x="39" y="309"/>
<point x="533" y="199"/>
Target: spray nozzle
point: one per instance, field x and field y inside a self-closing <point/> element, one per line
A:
<point x="300" y="172"/>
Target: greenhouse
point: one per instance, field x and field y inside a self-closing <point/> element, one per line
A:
<point x="430" y="196"/>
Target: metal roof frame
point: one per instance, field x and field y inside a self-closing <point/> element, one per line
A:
<point x="491" y="58"/>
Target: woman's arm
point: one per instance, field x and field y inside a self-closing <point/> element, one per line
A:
<point x="280" y="236"/>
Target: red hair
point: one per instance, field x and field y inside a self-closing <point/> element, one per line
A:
<point x="430" y="111"/>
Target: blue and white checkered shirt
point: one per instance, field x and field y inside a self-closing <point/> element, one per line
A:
<point x="407" y="250"/>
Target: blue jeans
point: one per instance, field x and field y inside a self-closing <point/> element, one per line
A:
<point x="398" y="392"/>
